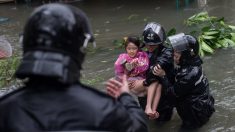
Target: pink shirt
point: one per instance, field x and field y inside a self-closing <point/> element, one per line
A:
<point x="138" y="72"/>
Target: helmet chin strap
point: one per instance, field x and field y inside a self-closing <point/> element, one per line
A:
<point x="21" y="36"/>
<point x="88" y="37"/>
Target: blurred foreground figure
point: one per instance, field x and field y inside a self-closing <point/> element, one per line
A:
<point x="53" y="99"/>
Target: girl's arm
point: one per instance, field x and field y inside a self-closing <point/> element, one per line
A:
<point x="118" y="65"/>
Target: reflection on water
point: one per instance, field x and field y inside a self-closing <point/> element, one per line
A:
<point x="116" y="19"/>
<point x="202" y="3"/>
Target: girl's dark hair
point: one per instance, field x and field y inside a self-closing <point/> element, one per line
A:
<point x="132" y="39"/>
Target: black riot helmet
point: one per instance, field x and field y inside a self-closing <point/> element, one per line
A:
<point x="186" y="44"/>
<point x="154" y="34"/>
<point x="53" y="41"/>
<point x="193" y="45"/>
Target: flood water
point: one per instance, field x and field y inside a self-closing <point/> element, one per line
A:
<point x="114" y="19"/>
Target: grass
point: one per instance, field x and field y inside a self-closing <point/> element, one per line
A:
<point x="8" y="67"/>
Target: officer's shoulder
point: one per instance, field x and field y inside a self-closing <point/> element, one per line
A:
<point x="7" y="93"/>
<point x="193" y="71"/>
<point x="167" y="50"/>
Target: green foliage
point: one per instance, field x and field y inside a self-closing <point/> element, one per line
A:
<point x="119" y="43"/>
<point x="199" y="19"/>
<point x="212" y="32"/>
<point x="171" y="32"/>
<point x="7" y="70"/>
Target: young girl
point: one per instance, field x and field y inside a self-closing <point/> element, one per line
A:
<point x="134" y="63"/>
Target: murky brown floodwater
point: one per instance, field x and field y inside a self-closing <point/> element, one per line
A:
<point x="115" y="19"/>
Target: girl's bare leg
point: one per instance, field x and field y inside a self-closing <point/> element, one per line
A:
<point x="151" y="90"/>
<point x="156" y="99"/>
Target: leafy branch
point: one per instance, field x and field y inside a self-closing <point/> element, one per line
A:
<point x="212" y="32"/>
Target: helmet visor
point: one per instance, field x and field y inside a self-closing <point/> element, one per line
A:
<point x="178" y="42"/>
<point x="154" y="26"/>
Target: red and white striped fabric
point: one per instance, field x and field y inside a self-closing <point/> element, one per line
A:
<point x="5" y="48"/>
<point x="2" y="54"/>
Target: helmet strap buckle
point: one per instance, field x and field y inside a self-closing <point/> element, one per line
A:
<point x="87" y="39"/>
<point x="192" y="52"/>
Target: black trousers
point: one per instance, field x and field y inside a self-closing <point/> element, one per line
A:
<point x="190" y="117"/>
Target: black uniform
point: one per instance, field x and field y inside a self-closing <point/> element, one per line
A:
<point x="194" y="102"/>
<point x="53" y="106"/>
<point x="163" y="57"/>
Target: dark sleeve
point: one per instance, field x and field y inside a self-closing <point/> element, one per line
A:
<point x="165" y="60"/>
<point x="184" y="84"/>
<point x="2" y="118"/>
<point x="125" y="115"/>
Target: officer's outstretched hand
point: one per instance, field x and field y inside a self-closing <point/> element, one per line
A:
<point x="116" y="88"/>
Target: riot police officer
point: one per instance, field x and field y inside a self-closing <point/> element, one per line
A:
<point x="194" y="103"/>
<point x="53" y="99"/>
<point x="154" y="37"/>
